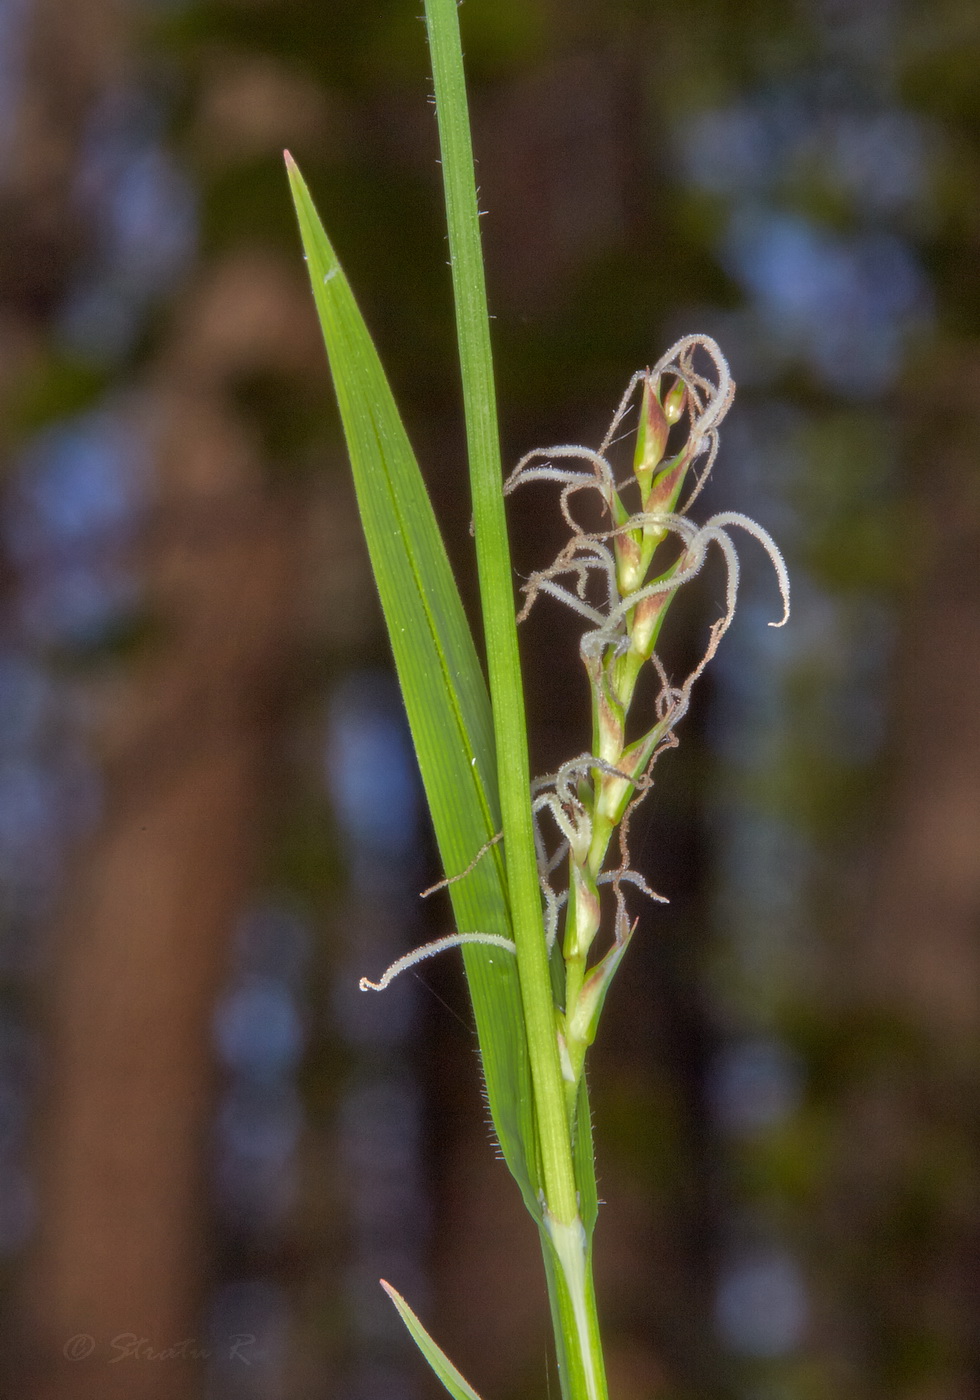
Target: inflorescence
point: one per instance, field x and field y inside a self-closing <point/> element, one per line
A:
<point x="614" y="578"/>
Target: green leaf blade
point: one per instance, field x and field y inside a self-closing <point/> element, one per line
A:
<point x="457" y="1386"/>
<point x="441" y="680"/>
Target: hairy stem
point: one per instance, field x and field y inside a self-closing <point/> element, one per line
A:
<point x="583" y="1374"/>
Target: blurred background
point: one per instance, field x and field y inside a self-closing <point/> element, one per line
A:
<point x="211" y="1146"/>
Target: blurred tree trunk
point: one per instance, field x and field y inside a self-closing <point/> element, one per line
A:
<point x="928" y="904"/>
<point x="184" y="730"/>
<point x="911" y="1166"/>
<point x="141" y="944"/>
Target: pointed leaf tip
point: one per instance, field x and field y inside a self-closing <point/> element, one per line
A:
<point x="458" y="1387"/>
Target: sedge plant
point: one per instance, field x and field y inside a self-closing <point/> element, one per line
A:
<point x="538" y="956"/>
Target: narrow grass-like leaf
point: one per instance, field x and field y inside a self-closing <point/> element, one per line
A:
<point x="442" y="684"/>
<point x="459" y="1388"/>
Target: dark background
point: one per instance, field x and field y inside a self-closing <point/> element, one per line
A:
<point x="210" y="1145"/>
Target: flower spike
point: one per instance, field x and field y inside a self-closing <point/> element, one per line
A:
<point x="612" y="579"/>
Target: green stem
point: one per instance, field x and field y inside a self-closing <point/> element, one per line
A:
<point x="583" y="1376"/>
<point x="497" y="594"/>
